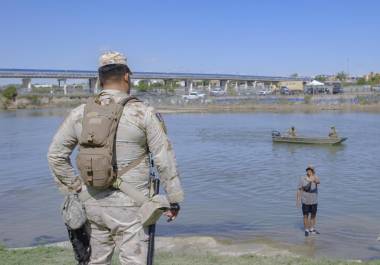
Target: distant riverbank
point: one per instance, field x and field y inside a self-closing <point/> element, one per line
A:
<point x="270" y="108"/>
<point x="175" y="104"/>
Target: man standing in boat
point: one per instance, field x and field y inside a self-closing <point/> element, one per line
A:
<point x="307" y="194"/>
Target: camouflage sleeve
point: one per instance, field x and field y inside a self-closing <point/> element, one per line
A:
<point x="163" y="156"/>
<point x="59" y="153"/>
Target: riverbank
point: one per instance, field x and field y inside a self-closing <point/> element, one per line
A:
<point x="181" y="251"/>
<point x="175" y="104"/>
<point x="275" y="108"/>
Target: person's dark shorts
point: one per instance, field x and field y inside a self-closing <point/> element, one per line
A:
<point x="309" y="209"/>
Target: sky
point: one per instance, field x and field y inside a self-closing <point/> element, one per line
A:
<point x="211" y="36"/>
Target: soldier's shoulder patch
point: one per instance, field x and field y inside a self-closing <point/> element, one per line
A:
<point x="159" y="117"/>
<point x="161" y="120"/>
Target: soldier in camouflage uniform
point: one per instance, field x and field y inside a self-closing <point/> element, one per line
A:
<point x="112" y="214"/>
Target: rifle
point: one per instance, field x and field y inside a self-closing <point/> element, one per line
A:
<point x="80" y="241"/>
<point x="74" y="217"/>
<point x="155" y="184"/>
<point x="174" y="207"/>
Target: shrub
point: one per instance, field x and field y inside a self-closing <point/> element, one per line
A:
<point x="307" y="99"/>
<point x="10" y="93"/>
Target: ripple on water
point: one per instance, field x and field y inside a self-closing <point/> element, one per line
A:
<point x="237" y="183"/>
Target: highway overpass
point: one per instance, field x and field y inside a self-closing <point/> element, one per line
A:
<point x="62" y="75"/>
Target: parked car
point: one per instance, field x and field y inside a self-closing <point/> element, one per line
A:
<point x="284" y="90"/>
<point x="193" y="96"/>
<point x="264" y="92"/>
<point x="376" y="89"/>
<point x="337" y="88"/>
<point x="217" y="92"/>
<point x="317" y="90"/>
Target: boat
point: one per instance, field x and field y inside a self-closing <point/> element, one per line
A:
<point x="278" y="138"/>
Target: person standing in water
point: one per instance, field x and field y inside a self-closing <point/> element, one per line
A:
<point x="307" y="194"/>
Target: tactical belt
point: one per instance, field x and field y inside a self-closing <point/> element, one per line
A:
<point x="150" y="208"/>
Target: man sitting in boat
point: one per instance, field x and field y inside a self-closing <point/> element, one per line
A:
<point x="333" y="133"/>
<point x="292" y="132"/>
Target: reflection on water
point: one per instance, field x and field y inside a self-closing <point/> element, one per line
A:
<point x="238" y="184"/>
<point x="292" y="148"/>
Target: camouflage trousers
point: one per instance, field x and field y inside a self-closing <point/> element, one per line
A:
<point x="116" y="226"/>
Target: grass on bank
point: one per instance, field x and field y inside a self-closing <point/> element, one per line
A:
<point x="62" y="256"/>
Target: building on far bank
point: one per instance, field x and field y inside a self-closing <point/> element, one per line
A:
<point x="293" y="86"/>
<point x="371" y="76"/>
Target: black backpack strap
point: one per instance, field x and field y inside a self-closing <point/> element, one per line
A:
<point x="125" y="101"/>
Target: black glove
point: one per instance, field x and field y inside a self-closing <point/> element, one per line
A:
<point x="80" y="241"/>
<point x="174" y="209"/>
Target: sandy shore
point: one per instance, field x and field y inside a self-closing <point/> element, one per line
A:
<point x="206" y="245"/>
<point x="190" y="250"/>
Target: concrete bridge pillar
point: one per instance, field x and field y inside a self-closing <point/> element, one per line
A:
<point x="224" y="84"/>
<point x="93" y="85"/>
<point x="64" y="85"/>
<point x="27" y="83"/>
<point x="209" y="86"/>
<point x="237" y="85"/>
<point x="188" y="86"/>
<point x="246" y="85"/>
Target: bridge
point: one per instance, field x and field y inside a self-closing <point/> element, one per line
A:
<point x="92" y="76"/>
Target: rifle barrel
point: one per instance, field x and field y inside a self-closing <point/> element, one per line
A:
<point x="152" y="228"/>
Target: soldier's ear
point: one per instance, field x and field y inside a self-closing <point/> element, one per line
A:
<point x="126" y="78"/>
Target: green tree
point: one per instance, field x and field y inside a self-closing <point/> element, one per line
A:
<point x="375" y="80"/>
<point x="294" y="75"/>
<point x="341" y="76"/>
<point x="170" y="86"/>
<point x="361" y="81"/>
<point x="320" y="78"/>
<point x="143" y="86"/>
<point x="10" y="92"/>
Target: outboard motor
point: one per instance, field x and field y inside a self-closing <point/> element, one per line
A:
<point x="276" y="134"/>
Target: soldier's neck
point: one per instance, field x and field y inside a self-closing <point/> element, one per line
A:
<point x="115" y="86"/>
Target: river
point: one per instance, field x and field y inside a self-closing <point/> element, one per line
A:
<point x="238" y="184"/>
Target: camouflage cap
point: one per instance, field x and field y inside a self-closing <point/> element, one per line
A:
<point x="112" y="57"/>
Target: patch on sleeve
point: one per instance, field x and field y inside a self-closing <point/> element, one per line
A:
<point x="161" y="120"/>
<point x="159" y="117"/>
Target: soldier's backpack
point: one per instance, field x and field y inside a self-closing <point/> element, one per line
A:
<point x="96" y="159"/>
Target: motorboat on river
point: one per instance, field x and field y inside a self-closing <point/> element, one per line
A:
<point x="278" y="138"/>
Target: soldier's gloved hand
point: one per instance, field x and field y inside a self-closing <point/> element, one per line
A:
<point x="172" y="213"/>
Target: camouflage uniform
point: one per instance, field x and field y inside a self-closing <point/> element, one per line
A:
<point x="292" y="132"/>
<point x="112" y="214"/>
<point x="333" y="133"/>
